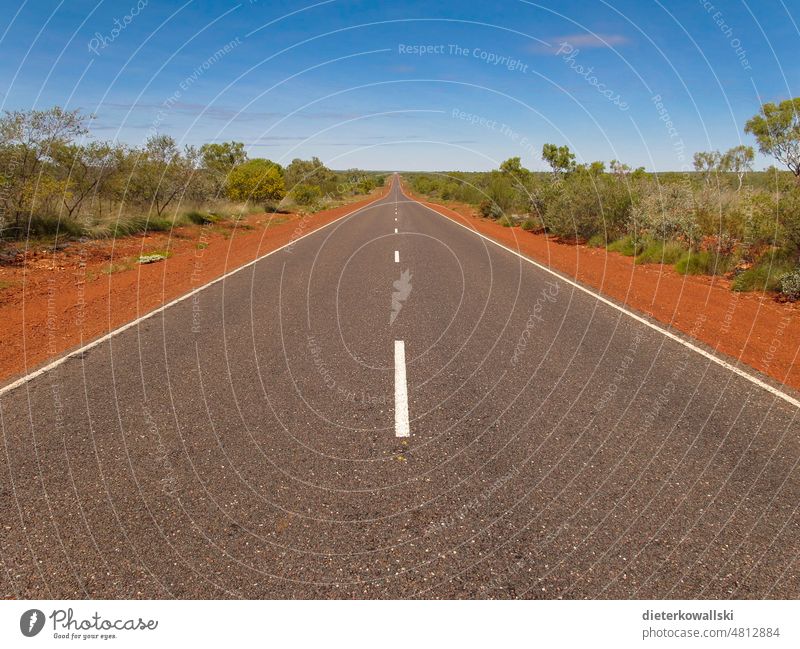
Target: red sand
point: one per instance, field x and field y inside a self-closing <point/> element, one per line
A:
<point x="57" y="300"/>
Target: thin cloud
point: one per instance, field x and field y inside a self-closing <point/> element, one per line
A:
<point x="584" y="41"/>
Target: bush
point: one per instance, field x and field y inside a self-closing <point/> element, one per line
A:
<point x="157" y="224"/>
<point x="586" y="205"/>
<point x="575" y="211"/>
<point x="666" y="214"/>
<point x="202" y="218"/>
<point x="306" y="194"/>
<point x="696" y="263"/>
<point x="597" y="241"/>
<point x="789" y="217"/>
<point x="790" y="285"/>
<point x="501" y="191"/>
<point x="661" y="252"/>
<point x="703" y="263"/>
<point x="506" y="221"/>
<point x="490" y="210"/>
<point x="52" y="226"/>
<point x="626" y="246"/>
<point x="764" y="276"/>
<point x="256" y="180"/>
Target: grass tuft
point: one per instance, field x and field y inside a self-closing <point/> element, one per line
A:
<point x="597" y="241"/>
<point x="703" y="263"/>
<point x="202" y="218"/>
<point x="625" y="246"/>
<point x="506" y="221"/>
<point x="765" y="276"/>
<point x="660" y="252"/>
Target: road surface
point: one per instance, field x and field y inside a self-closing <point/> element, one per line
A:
<point x="395" y="407"/>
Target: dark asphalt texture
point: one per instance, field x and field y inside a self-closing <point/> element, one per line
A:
<point x="558" y="448"/>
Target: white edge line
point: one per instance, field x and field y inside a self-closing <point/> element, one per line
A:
<point x="638" y="318"/>
<point x="401" y="426"/>
<point x="62" y="359"/>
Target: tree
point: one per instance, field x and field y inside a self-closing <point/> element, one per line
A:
<point x="223" y="157"/>
<point x="738" y="160"/>
<point x="560" y="159"/>
<point x="162" y="174"/>
<point x="513" y="167"/>
<point x="83" y="169"/>
<point x="311" y="172"/>
<point x="777" y="131"/>
<point x="27" y="142"/>
<point x="256" y="180"/>
<point x="597" y="168"/>
<point x="219" y="159"/>
<point x="594" y="169"/>
<point x="707" y="162"/>
<point x="619" y="169"/>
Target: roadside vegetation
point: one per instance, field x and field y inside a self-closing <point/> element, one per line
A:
<point x="720" y="219"/>
<point x="56" y="183"/>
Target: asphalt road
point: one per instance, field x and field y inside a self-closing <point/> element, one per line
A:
<point x="244" y="442"/>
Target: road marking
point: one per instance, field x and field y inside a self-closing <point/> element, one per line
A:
<point x="401" y="427"/>
<point x="396" y="256"/>
<point x="746" y="375"/>
<point x="395" y="230"/>
<point x="76" y="352"/>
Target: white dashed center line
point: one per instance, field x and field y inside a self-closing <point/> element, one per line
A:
<point x="401" y="427"/>
<point x="396" y="256"/>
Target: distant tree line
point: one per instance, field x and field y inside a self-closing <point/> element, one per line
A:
<point x="721" y="219"/>
<point x="55" y="180"/>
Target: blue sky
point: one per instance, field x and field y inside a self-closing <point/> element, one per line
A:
<point x="336" y="79"/>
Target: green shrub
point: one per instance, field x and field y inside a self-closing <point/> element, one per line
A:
<point x="789" y="218"/>
<point x="126" y="226"/>
<point x="157" y="224"/>
<point x="586" y="204"/>
<point x="44" y="226"/>
<point x="626" y="246"/>
<point x="202" y="218"/>
<point x="256" y="180"/>
<point x="528" y="225"/>
<point x="575" y="212"/>
<point x="695" y="263"/>
<point x="661" y="252"/>
<point x="764" y="276"/>
<point x="490" y="210"/>
<point x="506" y="221"/>
<point x="501" y="191"/>
<point x="667" y="213"/>
<point x="597" y="241"/>
<point x="306" y="194"/>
